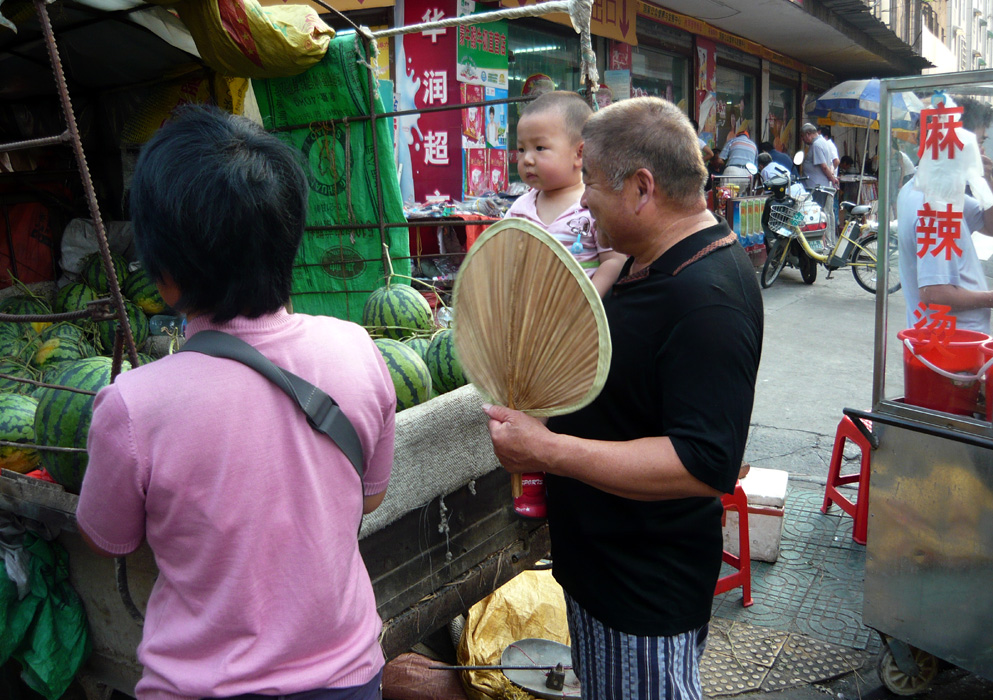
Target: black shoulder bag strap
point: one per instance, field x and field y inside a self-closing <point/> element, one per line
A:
<point x="323" y="413"/>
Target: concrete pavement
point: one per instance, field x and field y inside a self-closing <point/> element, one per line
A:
<point x="817" y="359"/>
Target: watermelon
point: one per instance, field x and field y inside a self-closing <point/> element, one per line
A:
<point x="420" y="345"/>
<point x="17" y="415"/>
<point x="27" y="305"/>
<point x="446" y="372"/>
<point x="397" y="311"/>
<point x="74" y="297"/>
<point x="15" y="339"/>
<point x="139" y="328"/>
<point x="14" y="368"/>
<point x="139" y="288"/>
<point x="63" y="417"/>
<point x="60" y="343"/>
<point x="144" y="359"/>
<point x="410" y="375"/>
<point x="94" y="274"/>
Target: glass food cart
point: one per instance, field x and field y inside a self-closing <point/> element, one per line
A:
<point x="929" y="564"/>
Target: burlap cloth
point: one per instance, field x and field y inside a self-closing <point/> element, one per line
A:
<point x="441" y="446"/>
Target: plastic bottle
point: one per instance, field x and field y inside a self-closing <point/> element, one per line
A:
<point x="531" y="502"/>
<point x="160" y="323"/>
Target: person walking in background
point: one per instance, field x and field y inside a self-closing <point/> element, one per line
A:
<point x="634" y="479"/>
<point x="738" y="152"/>
<point x="819" y="170"/>
<point x="835" y="160"/>
<point x="550" y="160"/>
<point x="818" y="162"/>
<point x="252" y="515"/>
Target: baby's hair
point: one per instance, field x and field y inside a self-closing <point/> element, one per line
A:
<point x="570" y="105"/>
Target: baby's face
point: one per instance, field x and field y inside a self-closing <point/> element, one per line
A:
<point x="548" y="158"/>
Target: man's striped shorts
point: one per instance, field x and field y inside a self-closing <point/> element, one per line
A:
<point x="612" y="665"/>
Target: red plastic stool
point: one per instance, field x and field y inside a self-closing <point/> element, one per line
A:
<point x="859" y="510"/>
<point x="743" y="561"/>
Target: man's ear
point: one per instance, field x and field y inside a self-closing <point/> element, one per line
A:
<point x="579" y="149"/>
<point x="644" y="182"/>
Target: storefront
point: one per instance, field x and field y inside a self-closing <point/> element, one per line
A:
<point x="723" y="81"/>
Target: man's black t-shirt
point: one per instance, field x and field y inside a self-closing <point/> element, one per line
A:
<point x="686" y="350"/>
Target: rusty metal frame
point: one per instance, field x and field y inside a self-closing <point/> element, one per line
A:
<point x="124" y="338"/>
<point x="72" y="138"/>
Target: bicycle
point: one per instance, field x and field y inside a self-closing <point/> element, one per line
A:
<point x="856" y="247"/>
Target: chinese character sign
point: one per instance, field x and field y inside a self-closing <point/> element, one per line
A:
<point x="482" y="55"/>
<point x="939" y="131"/>
<point x="427" y="80"/>
<point x="950" y="159"/>
<point x="620" y="56"/>
<point x="944" y="219"/>
<point x="614" y="19"/>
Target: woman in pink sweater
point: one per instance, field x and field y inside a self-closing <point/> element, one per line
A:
<point x="252" y="515"/>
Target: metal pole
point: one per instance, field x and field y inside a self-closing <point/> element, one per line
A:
<point x="84" y="174"/>
<point x="380" y="205"/>
<point x="882" y="250"/>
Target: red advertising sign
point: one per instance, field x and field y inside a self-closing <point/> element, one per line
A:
<point x="436" y="137"/>
<point x="620" y="56"/>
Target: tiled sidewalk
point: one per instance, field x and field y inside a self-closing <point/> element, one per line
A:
<point x="806" y="621"/>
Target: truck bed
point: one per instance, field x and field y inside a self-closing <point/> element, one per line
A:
<point x="445" y="537"/>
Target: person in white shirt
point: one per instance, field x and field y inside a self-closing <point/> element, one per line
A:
<point x="818" y="167"/>
<point x="956" y="281"/>
<point x="826" y="135"/>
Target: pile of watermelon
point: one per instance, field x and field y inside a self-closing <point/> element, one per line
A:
<point x="420" y="356"/>
<point x="68" y="354"/>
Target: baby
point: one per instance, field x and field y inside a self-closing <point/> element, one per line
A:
<point x="550" y="160"/>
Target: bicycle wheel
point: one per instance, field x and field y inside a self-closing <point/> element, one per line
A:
<point x="864" y="265"/>
<point x="774" y="262"/>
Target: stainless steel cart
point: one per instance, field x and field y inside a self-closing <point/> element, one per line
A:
<point x="929" y="564"/>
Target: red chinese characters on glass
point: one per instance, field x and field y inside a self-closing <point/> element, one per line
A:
<point x="937" y="325"/>
<point x="938" y="231"/>
<point x="939" y="133"/>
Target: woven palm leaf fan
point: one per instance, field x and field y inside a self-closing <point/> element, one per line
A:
<point x="530" y="330"/>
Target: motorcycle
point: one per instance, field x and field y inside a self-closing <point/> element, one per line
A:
<point x="794" y="225"/>
<point x="788" y="211"/>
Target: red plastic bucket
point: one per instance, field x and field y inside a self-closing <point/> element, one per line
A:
<point x="987" y="350"/>
<point x="961" y="354"/>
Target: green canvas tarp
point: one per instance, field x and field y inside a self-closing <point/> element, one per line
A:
<point x="335" y="271"/>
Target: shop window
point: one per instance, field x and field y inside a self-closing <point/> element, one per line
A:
<point x="735" y="103"/>
<point x="535" y="52"/>
<point x="782" y="131"/>
<point x="657" y="74"/>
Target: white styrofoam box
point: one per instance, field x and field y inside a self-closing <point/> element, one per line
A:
<point x="766" y="490"/>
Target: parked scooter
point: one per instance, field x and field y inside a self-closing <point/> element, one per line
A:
<point x="790" y="209"/>
<point x="794" y="225"/>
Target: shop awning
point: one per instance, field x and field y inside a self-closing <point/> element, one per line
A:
<point x="841" y="37"/>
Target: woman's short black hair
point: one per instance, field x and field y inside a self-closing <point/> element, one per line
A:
<point x="218" y="205"/>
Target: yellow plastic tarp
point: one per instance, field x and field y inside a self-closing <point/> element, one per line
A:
<point x="243" y="39"/>
<point x="531" y="605"/>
